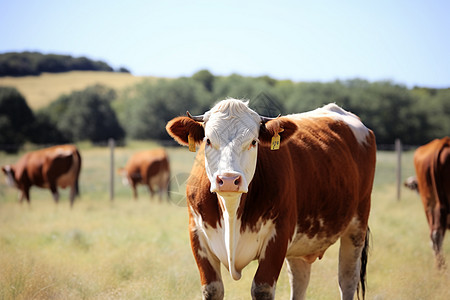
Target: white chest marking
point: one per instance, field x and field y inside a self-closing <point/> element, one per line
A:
<point x="250" y="244"/>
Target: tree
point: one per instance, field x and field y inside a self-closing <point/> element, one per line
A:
<point x="145" y="108"/>
<point x="34" y="63"/>
<point x="237" y="86"/>
<point x="85" y="115"/>
<point x="16" y="119"/>
<point x="205" y="78"/>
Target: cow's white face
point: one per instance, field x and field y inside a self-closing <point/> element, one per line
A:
<point x="231" y="138"/>
<point x="9" y="172"/>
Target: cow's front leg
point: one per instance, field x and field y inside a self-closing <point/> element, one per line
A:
<point x="134" y="188"/>
<point x="24" y="193"/>
<point x="209" y="268"/>
<point x="265" y="280"/>
<point x="54" y="190"/>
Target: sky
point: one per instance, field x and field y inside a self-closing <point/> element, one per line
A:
<point x="404" y="41"/>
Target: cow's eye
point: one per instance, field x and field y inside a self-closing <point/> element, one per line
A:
<point x="253" y="144"/>
<point x="208" y="142"/>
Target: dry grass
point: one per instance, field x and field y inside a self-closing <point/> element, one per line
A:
<point x="140" y="249"/>
<point x="39" y="91"/>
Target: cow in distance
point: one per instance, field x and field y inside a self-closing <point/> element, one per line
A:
<point x="150" y="168"/>
<point x="53" y="167"/>
<point x="432" y="164"/>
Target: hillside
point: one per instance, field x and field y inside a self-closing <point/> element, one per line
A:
<point x="35" y="63"/>
<point x="41" y="90"/>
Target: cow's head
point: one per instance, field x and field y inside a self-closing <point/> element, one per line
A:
<point x="10" y="175"/>
<point x="232" y="133"/>
<point x="124" y="174"/>
<point x="411" y="183"/>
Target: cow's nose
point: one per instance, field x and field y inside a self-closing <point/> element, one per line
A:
<point x="228" y="182"/>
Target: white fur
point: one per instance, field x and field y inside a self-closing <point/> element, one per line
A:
<point x="249" y="243"/>
<point x="231" y="126"/>
<point x="302" y="245"/>
<point x="62" y="152"/>
<point x="9" y="177"/>
<point x="335" y="112"/>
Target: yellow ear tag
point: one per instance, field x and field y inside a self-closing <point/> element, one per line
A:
<point x="275" y="144"/>
<point x="191" y="143"/>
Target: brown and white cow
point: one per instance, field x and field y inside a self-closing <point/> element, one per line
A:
<point x="57" y="166"/>
<point x="247" y="202"/>
<point x="432" y="164"/>
<point x="150" y="168"/>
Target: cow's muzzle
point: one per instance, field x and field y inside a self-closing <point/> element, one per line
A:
<point x="229" y="182"/>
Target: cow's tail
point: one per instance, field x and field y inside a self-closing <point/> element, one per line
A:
<point x="168" y="180"/>
<point x="77" y="163"/>
<point x="364" y="258"/>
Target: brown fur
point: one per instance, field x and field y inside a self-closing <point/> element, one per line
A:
<point x="146" y="167"/>
<point x="320" y="172"/>
<point x="53" y="167"/>
<point x="432" y="163"/>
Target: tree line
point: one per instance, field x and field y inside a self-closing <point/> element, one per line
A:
<point x="35" y="63"/>
<point x="98" y="113"/>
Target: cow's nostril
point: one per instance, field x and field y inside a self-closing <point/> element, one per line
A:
<point x="228" y="182"/>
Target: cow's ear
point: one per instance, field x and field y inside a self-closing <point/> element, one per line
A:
<point x="181" y="127"/>
<point x="281" y="126"/>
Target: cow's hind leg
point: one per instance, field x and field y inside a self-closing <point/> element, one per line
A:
<point x="151" y="191"/>
<point x="73" y="194"/>
<point x="437" y="238"/>
<point x="438" y="233"/>
<point x="352" y="262"/>
<point x="299" y="272"/>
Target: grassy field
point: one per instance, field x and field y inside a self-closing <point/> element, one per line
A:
<point x="39" y="91"/>
<point x="130" y="249"/>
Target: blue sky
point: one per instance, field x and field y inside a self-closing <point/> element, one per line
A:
<point x="407" y="42"/>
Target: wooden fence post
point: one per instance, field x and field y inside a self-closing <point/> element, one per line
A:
<point x="398" y="150"/>
<point x="111" y="144"/>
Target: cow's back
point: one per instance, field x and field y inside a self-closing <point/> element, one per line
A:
<point x="322" y="177"/>
<point x="143" y="165"/>
<point x="339" y="171"/>
<point x="61" y="163"/>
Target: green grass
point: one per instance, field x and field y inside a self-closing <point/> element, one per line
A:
<point x="130" y="249"/>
